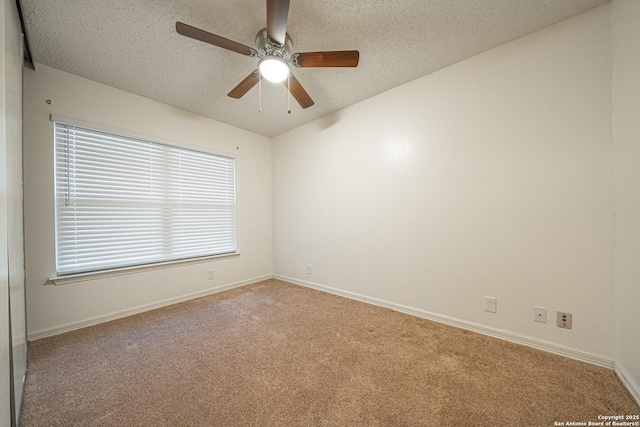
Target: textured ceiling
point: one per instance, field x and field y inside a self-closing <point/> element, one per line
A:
<point x="133" y="45"/>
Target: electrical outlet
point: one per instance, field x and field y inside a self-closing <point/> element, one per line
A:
<point x="491" y="304"/>
<point x="540" y="314"/>
<point x="211" y="274"/>
<point x="564" y="320"/>
<point x="308" y="268"/>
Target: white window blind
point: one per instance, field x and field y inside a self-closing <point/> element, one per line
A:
<point x="123" y="201"/>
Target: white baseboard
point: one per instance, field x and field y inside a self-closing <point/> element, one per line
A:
<point x="463" y="324"/>
<point x="628" y="381"/>
<point x="43" y="333"/>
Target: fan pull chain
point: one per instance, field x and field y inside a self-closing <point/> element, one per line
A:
<point x="289" y="93"/>
<point x="260" y="91"/>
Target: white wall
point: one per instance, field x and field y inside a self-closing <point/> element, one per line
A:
<point x="491" y="177"/>
<point x="625" y="19"/>
<point x="50" y="308"/>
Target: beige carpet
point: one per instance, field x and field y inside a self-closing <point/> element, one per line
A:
<point x="276" y="354"/>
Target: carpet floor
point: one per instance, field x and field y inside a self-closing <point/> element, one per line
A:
<point x="277" y="354"/>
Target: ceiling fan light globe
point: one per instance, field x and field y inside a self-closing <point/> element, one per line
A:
<point x="273" y="69"/>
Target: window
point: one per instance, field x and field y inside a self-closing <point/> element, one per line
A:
<point x="123" y="201"/>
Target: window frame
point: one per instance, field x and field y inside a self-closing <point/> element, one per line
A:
<point x="71" y="276"/>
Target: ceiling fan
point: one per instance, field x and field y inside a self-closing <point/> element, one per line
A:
<point x="274" y="49"/>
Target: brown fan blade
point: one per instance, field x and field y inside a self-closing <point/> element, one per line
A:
<point x="277" y="15"/>
<point x="337" y="58"/>
<point x="298" y="92"/>
<point x="204" y="36"/>
<point x="244" y="86"/>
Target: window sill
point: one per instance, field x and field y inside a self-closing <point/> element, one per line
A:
<point x="82" y="277"/>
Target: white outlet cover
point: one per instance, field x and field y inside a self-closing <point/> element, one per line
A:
<point x="540" y="314"/>
<point x="491" y="304"/>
